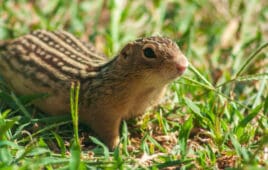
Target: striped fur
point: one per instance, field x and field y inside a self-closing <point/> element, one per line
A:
<point x="57" y="55"/>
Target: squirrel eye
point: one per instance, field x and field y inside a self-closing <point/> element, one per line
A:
<point x="149" y="53"/>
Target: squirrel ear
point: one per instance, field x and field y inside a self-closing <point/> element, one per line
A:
<point x="126" y="51"/>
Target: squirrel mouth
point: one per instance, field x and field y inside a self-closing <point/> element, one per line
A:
<point x="181" y="70"/>
<point x="177" y="73"/>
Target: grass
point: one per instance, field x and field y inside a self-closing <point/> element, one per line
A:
<point x="214" y="117"/>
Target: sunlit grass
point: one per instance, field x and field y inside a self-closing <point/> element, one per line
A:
<point x="215" y="116"/>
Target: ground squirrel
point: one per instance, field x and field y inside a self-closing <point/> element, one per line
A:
<point x="111" y="91"/>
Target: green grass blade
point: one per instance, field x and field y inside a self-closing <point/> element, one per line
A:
<point x="193" y="107"/>
<point x="74" y="163"/>
<point x="198" y="74"/>
<point x="250" y="59"/>
<point x="6" y="125"/>
<point x="250" y="117"/>
<point x="184" y="135"/>
<point x="60" y="144"/>
<point x="125" y="138"/>
<point x="75" y="148"/>
<point x="261" y="76"/>
<point x="21" y="106"/>
<point x="102" y="145"/>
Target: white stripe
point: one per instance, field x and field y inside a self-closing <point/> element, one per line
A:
<point x="48" y="67"/>
<point x="80" y="45"/>
<point x="67" y="47"/>
<point x="56" y="52"/>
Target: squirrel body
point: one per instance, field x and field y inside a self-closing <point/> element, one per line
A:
<point x="111" y="90"/>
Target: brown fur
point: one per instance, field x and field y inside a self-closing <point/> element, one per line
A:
<point x="123" y="88"/>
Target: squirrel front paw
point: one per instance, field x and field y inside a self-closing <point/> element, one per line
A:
<point x="112" y="143"/>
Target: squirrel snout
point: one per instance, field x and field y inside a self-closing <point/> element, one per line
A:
<point x="182" y="64"/>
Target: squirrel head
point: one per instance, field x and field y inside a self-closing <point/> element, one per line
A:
<point x="156" y="58"/>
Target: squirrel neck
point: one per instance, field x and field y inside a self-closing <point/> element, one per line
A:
<point x="118" y="83"/>
<point x="111" y="79"/>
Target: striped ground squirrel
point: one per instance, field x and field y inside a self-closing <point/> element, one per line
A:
<point x="47" y="62"/>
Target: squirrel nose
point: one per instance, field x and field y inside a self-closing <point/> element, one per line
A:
<point x="182" y="64"/>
